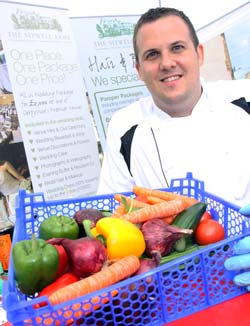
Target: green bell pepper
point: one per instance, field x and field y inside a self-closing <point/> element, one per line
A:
<point x="61" y="226"/>
<point x="35" y="264"/>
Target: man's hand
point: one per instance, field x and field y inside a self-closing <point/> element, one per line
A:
<point x="245" y="210"/>
<point x="241" y="260"/>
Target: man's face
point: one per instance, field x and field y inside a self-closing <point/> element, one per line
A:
<point x="169" y="64"/>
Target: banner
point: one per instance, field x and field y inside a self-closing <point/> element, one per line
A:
<point x="106" y="54"/>
<point x="50" y="100"/>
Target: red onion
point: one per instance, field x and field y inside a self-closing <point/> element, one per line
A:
<point x="146" y="264"/>
<point x="87" y="255"/>
<point x="161" y="236"/>
<point x="91" y="214"/>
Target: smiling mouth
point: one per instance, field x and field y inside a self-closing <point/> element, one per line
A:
<point x="171" y="78"/>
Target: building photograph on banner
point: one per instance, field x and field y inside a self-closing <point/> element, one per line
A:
<point x="227" y="59"/>
<point x="14" y="170"/>
<point x="48" y="91"/>
<point x="108" y="65"/>
<point x="9" y="124"/>
<point x="238" y="44"/>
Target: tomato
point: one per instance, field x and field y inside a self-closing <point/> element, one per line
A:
<point x="206" y="216"/>
<point x="209" y="231"/>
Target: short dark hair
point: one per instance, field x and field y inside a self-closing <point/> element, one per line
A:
<point x="156" y="13"/>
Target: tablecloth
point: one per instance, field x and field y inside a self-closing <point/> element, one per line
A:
<point x="234" y="312"/>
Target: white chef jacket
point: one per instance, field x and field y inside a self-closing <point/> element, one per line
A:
<point x="211" y="143"/>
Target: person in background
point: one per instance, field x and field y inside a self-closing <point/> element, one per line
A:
<point x="11" y="181"/>
<point x="185" y="125"/>
<point x="5" y="85"/>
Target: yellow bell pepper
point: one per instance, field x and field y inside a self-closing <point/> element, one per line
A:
<point x="122" y="237"/>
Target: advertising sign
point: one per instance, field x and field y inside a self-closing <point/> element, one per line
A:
<point x="106" y="54"/>
<point x="50" y="100"/>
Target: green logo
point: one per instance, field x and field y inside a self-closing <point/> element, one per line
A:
<point x="32" y="20"/>
<point x="114" y="27"/>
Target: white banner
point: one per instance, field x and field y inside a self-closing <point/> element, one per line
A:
<point x="49" y="94"/>
<point x="108" y="63"/>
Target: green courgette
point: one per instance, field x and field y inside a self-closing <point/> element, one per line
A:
<point x="175" y="255"/>
<point x="188" y="219"/>
<point x="181" y="244"/>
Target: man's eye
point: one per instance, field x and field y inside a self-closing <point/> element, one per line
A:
<point x="178" y="48"/>
<point x="151" y="55"/>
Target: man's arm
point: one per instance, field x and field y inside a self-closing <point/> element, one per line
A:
<point x="115" y="176"/>
<point x="241" y="258"/>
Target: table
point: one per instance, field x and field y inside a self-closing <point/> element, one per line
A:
<point x="234" y="312"/>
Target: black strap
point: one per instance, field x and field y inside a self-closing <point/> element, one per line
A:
<point x="126" y="143"/>
<point x="241" y="102"/>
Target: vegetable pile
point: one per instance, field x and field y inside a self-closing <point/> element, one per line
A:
<point x="74" y="256"/>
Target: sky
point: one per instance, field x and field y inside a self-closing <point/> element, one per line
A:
<point x="238" y="43"/>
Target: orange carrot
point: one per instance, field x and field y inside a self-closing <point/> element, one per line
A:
<point x="130" y="201"/>
<point x="166" y="195"/>
<point x="120" y="210"/>
<point x="45" y="319"/>
<point x="109" y="275"/>
<point x="79" y="310"/>
<point x="154" y="200"/>
<point x="170" y="219"/>
<point x="70" y="314"/>
<point x="164" y="209"/>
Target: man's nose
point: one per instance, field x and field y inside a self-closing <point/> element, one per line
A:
<point x="167" y="61"/>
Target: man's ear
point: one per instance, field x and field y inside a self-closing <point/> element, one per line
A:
<point x="137" y="66"/>
<point x="200" y="52"/>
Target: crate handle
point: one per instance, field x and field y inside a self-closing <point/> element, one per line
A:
<point x="198" y="184"/>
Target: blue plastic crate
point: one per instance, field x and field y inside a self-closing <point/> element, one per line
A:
<point x="174" y="290"/>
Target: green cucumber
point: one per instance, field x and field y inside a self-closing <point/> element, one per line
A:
<point x="188" y="219"/>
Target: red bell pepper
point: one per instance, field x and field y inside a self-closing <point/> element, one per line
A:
<point x="63" y="265"/>
<point x="59" y="283"/>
